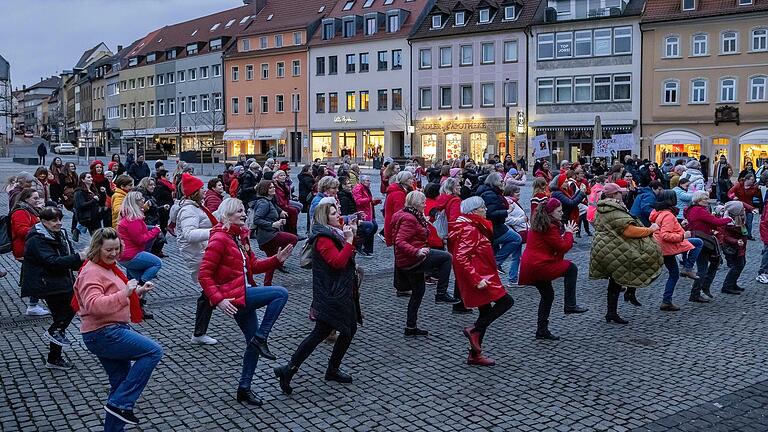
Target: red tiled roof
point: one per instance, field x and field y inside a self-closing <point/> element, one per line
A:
<point x="671" y="10"/>
<point x="527" y="11"/>
<point x="288" y="14"/>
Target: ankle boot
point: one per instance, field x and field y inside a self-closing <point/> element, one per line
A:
<point x="542" y="331"/>
<point x="335" y="374"/>
<point x="630" y="295"/>
<point x="284" y="374"/>
<point x="612" y="314"/>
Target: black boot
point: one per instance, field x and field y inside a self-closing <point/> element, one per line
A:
<point x="696" y="296"/>
<point x="249" y="397"/>
<point x="262" y="347"/>
<point x="631" y="297"/>
<point x="144" y="311"/>
<point x="612" y="314"/>
<point x="285" y="374"/>
<point x="542" y="331"/>
<point x="334" y="374"/>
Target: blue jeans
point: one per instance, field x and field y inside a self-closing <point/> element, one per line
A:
<point x="509" y="245"/>
<point x="366" y="230"/>
<point x="670" y="262"/>
<point x="117" y="346"/>
<point x="689" y="258"/>
<point x="750" y="219"/>
<point x="143" y="267"/>
<point x="274" y="297"/>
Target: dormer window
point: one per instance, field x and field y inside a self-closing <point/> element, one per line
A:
<point x="510" y="13"/>
<point x="151" y="57"/>
<point x="133" y="61"/>
<point x="689" y="5"/>
<point x="388" y="2"/>
<point x="215" y="26"/>
<point x="328" y="31"/>
<point x="485" y="16"/>
<point x="349" y="28"/>
<point x="215" y="45"/>
<point x="192" y="49"/>
<point x="348" y="5"/>
<point x="371" y="26"/>
<point x="745" y="2"/>
<point x="460" y="18"/>
<point x="393" y="23"/>
<point x="170" y="54"/>
<point x="437" y="21"/>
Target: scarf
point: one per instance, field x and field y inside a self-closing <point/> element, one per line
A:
<point x="135" y="307"/>
<point x="167" y="184"/>
<point x="419" y="215"/>
<point x="210" y="215"/>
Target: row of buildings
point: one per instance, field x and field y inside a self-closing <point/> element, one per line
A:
<point x="437" y="78"/>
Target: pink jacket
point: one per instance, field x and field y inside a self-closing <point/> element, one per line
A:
<point x="135" y="236"/>
<point x="594" y="196"/>
<point x="100" y="294"/>
<point x="364" y="200"/>
<point x="670" y="236"/>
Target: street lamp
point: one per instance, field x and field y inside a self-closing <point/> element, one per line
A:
<point x="295" y="140"/>
<point x="506" y="106"/>
<point x="178" y="139"/>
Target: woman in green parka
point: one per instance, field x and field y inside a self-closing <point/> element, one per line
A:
<point x="623" y="251"/>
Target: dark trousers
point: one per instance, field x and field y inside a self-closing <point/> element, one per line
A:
<point x="736" y="266"/>
<point x="271" y="247"/>
<point x="614" y="290"/>
<point x="62" y="315"/>
<point x="41" y="160"/>
<point x="490" y="313"/>
<point x="547" y="293"/>
<point x="316" y="336"/>
<point x="437" y="264"/>
<point x="706" y="268"/>
<point x="106" y="217"/>
<point x="202" y="315"/>
<point x="415" y="282"/>
<point x="584" y="222"/>
<point x="163" y="216"/>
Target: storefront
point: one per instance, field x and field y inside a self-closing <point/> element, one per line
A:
<point x="677" y="144"/>
<point x="362" y="146"/>
<point x="576" y="143"/>
<point x="753" y="147"/>
<point x="452" y="139"/>
<point x="254" y="142"/>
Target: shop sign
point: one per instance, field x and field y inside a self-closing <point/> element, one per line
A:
<point x="520" y="122"/>
<point x="564" y="49"/>
<point x="344" y="119"/>
<point x="454" y="125"/>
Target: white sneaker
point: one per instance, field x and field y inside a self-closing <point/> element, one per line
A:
<point x="203" y="340"/>
<point x="37" y="310"/>
<point x="763" y="278"/>
<point x="381" y="237"/>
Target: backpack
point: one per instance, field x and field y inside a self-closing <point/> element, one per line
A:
<point x="441" y="224"/>
<point x="6" y="242"/>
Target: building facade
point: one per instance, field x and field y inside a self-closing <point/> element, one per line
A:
<point x="469" y="70"/>
<point x="585" y="63"/>
<point x="705" y="75"/>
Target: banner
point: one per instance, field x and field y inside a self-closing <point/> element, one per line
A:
<point x="602" y="148"/>
<point x="540" y="146"/>
<point x="623" y="142"/>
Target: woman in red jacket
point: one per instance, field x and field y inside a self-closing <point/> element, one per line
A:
<point x="23" y="219"/>
<point x="477" y="276"/>
<point x="748" y="193"/>
<point x="214" y="195"/>
<point x="396" y="192"/>
<point x="283" y="199"/>
<point x="226" y="275"/>
<point x="543" y="261"/>
<point x="703" y="224"/>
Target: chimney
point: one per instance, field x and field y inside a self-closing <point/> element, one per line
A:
<point x="119" y="48"/>
<point x="257" y="5"/>
<point x="41" y="79"/>
<point x="23" y="87"/>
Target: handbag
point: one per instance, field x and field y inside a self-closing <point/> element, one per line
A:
<point x="305" y="257"/>
<point x="6" y="240"/>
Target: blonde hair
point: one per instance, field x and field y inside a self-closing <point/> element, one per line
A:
<point x="699" y="196"/>
<point x="402" y="177"/>
<point x="131" y="208"/>
<point x="97" y="241"/>
<point x="414" y="197"/>
<point x="327" y="182"/>
<point x="144" y="183"/>
<point x="322" y="212"/>
<point x="227" y="208"/>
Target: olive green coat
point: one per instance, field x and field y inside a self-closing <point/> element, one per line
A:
<point x="630" y="262"/>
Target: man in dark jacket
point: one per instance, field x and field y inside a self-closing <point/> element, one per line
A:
<point x="248" y="182"/>
<point x="506" y="242"/>
<point x="646" y="196"/>
<point x="42" y="151"/>
<point x="138" y="170"/>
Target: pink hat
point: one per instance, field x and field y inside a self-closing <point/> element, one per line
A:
<point x="552" y="204"/>
<point x="612" y="188"/>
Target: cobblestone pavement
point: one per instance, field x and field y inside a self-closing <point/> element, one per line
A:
<point x="702" y="368"/>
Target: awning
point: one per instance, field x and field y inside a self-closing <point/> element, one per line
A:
<point x="759" y="136"/>
<point x="677" y="137"/>
<point x="260" y="134"/>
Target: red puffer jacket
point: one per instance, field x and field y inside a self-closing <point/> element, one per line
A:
<point x="221" y="272"/>
<point x="22" y="222"/>
<point x="410" y="236"/>
<point x="434" y="240"/>
<point x="451" y="204"/>
<point x="394" y="203"/>
<point x="543" y="258"/>
<point x="744" y="194"/>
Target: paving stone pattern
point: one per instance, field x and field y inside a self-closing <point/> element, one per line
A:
<point x="702" y="368"/>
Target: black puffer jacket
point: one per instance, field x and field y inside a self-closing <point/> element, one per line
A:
<point x="496" y="208"/>
<point x="49" y="260"/>
<point x="248" y="182"/>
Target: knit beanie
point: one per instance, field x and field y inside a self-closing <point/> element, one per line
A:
<point x="190" y="184"/>
<point x="551" y="205"/>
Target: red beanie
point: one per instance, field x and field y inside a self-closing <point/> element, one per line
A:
<point x="552" y="204"/>
<point x="190" y="184"/>
<point x="621" y="183"/>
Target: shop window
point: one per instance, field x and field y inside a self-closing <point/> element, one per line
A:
<point x="478" y="145"/>
<point x="755" y="153"/>
<point x="720" y="147"/>
<point x="322" y="145"/>
<point x="429" y="146"/>
<point x="348" y="144"/>
<point x="453" y="146"/>
<point x="373" y="144"/>
<point x="503" y="146"/>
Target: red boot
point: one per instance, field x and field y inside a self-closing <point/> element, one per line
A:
<point x="479" y="360"/>
<point x="474" y="338"/>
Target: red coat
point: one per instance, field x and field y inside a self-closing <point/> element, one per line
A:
<point x="764" y="227"/>
<point x="221" y="271"/>
<point x="543" y="257"/>
<point x="671" y="235"/>
<point x="21" y="222"/>
<point x="212" y="200"/>
<point x="700" y="219"/>
<point x="451" y="204"/>
<point x="739" y="192"/>
<point x="282" y="196"/>
<point x="384" y="181"/>
<point x="364" y="201"/>
<point x="434" y="240"/>
<point x="394" y="203"/>
<point x="474" y="260"/>
<point x="410" y="236"/>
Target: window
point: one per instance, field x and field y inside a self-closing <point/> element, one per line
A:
<point x="622" y="40"/>
<point x="364" y="62"/>
<point x="460" y="18"/>
<point x="602" y="42"/>
<point x="545" y="91"/>
<point x="485" y="16"/>
<point x="192" y="49"/>
<point x="204" y="72"/>
<point x="246" y="44"/>
<point x="425" y="98"/>
<point x="151" y="57"/>
<point x="235" y="73"/>
<point x="193" y="104"/>
<point x="216" y="70"/>
<point x="745" y="2"/>
<point x="397" y="99"/>
<point x="445" y="97"/>
<point x="728" y="90"/>
<point x="582" y="89"/>
<point x="263" y="42"/>
<point x="160" y="79"/>
<point x="425" y="58"/>
<point x="205" y="102"/>
<point x="264" y="104"/>
<point x="602" y="89"/>
<point x="393" y="23"/>
<point x="348" y="30"/>
<point x="351" y="101"/>
<point x="760" y="39"/>
<point x="183" y="105"/>
<point x="171" y="106"/>
<point x="382" y="66"/>
<point x="757" y="88"/>
<point x="350" y="63"/>
<point x="698" y="91"/>
<point x="622" y="87"/>
<point x="141" y="82"/>
<point x="170" y="54"/>
<point x="465" y="95"/>
<point x="466" y="55"/>
<point x="510" y="51"/>
<point x="125" y="110"/>
<point x="217" y="105"/>
<point x="279" y="103"/>
<point x="583" y="43"/>
<point x="397" y="59"/>
<point x="181" y="76"/>
<point x="546" y="46"/>
<point x="382" y="98"/>
<point x="563" y="7"/>
<point x="235" y="106"/>
<point x="133" y="84"/>
<point x="328" y="31"/>
<point x="297" y="38"/>
<point x="320" y="66"/>
<point x="348" y="5"/>
<point x="672" y="46"/>
<point x="699" y="45"/>
<point x="510" y="12"/>
<point x="133" y="61"/>
<point x="564" y="45"/>
<point x="368" y="3"/>
<point x="689" y="5"/>
<point x="249" y="72"/>
<point x="488" y="93"/>
<point x="151" y="108"/>
<point x="265" y="70"/>
<point x="510" y="93"/>
<point x="445" y="57"/>
<point x="320" y="102"/>
<point x="364" y="100"/>
<point x="278" y="41"/>
<point x="160" y="108"/>
<point x="729" y="43"/>
<point x="370" y="26"/>
<point x="437" y="21"/>
<point x="296" y="68"/>
<point x="249" y="105"/>
<point x="279" y="69"/>
<point x="333" y="66"/>
<point x="671" y="91"/>
<point x="563" y="90"/>
<point x="489" y="53"/>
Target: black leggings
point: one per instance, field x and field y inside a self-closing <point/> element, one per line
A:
<point x="547" y="293"/>
<point x="62" y="314"/>
<point x="321" y="331"/>
<point x="202" y="315"/>
<point x="490" y="313"/>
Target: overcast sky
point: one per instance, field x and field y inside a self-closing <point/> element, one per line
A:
<point x="41" y="38"/>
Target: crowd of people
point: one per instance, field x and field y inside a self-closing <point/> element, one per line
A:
<point x="449" y="217"/>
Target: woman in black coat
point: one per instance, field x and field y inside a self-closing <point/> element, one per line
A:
<point x="46" y="273"/>
<point x="306" y="186"/>
<point x="88" y="203"/>
<point x="163" y="196"/>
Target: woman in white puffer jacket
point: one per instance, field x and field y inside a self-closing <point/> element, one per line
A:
<point x="193" y="226"/>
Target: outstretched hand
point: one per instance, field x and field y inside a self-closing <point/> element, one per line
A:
<point x="284" y="252"/>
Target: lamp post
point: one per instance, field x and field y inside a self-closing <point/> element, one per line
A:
<point x="506" y="106"/>
<point x="178" y="139"/>
<point x="295" y="140"/>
